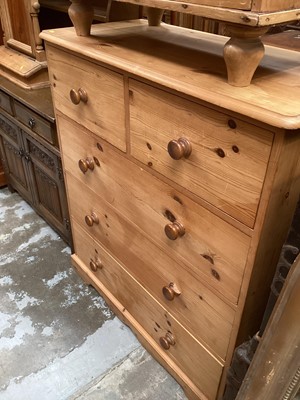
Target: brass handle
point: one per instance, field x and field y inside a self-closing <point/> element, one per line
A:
<point x="171" y="291"/>
<point x="180" y="148"/>
<point x="86" y="164"/>
<point x="167" y="341"/>
<point x="92" y="219"/>
<point x="174" y="230"/>
<point x="79" y="95"/>
<point x="27" y="157"/>
<point x="95" y="265"/>
<point x="31" y="123"/>
<point x="21" y="152"/>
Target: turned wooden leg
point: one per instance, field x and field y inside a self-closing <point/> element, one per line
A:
<point x="154" y="16"/>
<point x="81" y="14"/>
<point x="242" y="53"/>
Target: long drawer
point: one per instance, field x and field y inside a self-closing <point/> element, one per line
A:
<point x="89" y="94"/>
<point x="214" y="249"/>
<point x="205" y="370"/>
<point x="219" y="158"/>
<point x="36" y="123"/>
<point x="200" y="310"/>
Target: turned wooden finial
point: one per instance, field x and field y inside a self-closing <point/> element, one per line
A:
<point x="39" y="49"/>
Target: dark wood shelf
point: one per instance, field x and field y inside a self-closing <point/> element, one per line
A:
<point x="104" y="10"/>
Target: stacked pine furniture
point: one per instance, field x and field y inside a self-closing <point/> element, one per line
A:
<point x="181" y="187"/>
<point x="29" y="152"/>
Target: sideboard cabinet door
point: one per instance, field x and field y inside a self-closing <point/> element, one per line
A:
<point x="13" y="158"/>
<point x="47" y="184"/>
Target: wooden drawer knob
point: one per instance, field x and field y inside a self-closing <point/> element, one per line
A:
<point x="95" y="265"/>
<point x="174" y="230"/>
<point x="92" y="219"/>
<point x="171" y="291"/>
<point x="79" y="95"/>
<point x="180" y="148"/>
<point x="167" y="341"/>
<point x="86" y="164"/>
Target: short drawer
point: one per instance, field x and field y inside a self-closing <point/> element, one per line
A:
<point x="89" y="94"/>
<point x="199" y="309"/>
<point x="221" y="159"/>
<point x="5" y="103"/>
<point x="190" y="356"/>
<point x="10" y="131"/>
<point x="213" y="248"/>
<point x="36" y="123"/>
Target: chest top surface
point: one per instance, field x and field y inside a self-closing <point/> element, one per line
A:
<point x="191" y="62"/>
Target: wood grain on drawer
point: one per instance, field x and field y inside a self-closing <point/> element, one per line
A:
<point x="5" y="103"/>
<point x="103" y="113"/>
<point x="228" y="159"/>
<point x="236" y="4"/>
<point x="36" y="123"/>
<point x="205" y="370"/>
<point x="199" y="309"/>
<point x="211" y="247"/>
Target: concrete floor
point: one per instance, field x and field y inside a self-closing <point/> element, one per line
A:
<point x="58" y="338"/>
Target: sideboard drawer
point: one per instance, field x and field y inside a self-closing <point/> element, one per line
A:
<point x="216" y="249"/>
<point x="5" y="103"/>
<point x="199" y="309"/>
<point x="220" y="159"/>
<point x="204" y="370"/>
<point x="36" y="123"/>
<point x="89" y="94"/>
<point x="11" y="131"/>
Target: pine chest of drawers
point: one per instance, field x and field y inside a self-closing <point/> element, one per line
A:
<point x="181" y="188"/>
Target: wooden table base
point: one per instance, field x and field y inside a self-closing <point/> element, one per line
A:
<point x="242" y="53"/>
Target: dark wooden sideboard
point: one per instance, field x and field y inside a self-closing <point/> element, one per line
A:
<point x="30" y="154"/>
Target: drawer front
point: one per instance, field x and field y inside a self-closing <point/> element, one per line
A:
<point x="220" y="159"/>
<point x="5" y="103"/>
<point x="11" y="131"/>
<point x="35" y="122"/>
<point x="214" y="249"/>
<point x="100" y="99"/>
<point x="205" y="371"/>
<point x="200" y="310"/>
<point x="261" y="6"/>
<point x="236" y="4"/>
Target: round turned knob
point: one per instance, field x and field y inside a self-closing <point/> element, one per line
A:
<point x="92" y="219"/>
<point x="86" y="164"/>
<point x="95" y="265"/>
<point x="171" y="291"/>
<point x="79" y="95"/>
<point x="174" y="230"/>
<point x="167" y="341"/>
<point x="180" y="148"/>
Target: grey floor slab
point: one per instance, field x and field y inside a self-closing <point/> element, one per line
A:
<point x="137" y="377"/>
<point x="58" y="337"/>
<point x="65" y="375"/>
